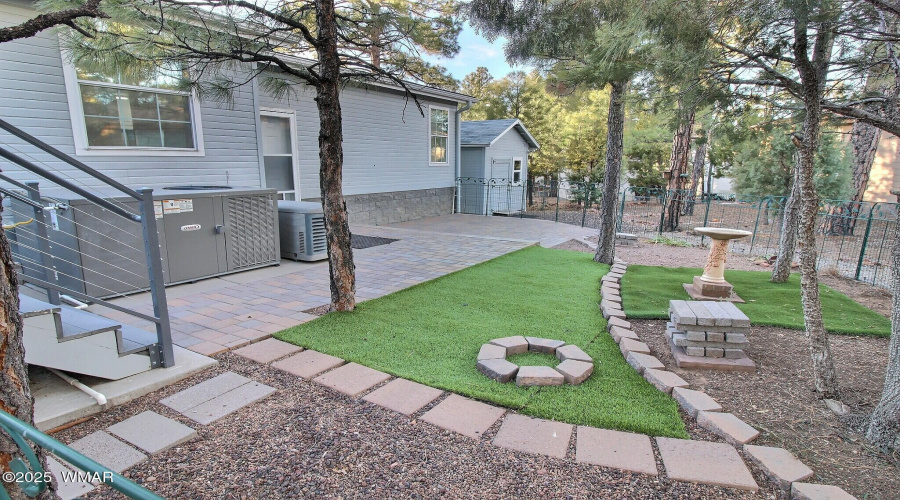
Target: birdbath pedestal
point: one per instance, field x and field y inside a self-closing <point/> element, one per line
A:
<point x="712" y="285"/>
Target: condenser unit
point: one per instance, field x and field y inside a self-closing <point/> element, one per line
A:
<point x="302" y="230"/>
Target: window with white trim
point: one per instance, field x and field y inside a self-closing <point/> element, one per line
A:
<point x="135" y="112"/>
<point x="517" y="170"/>
<point x="439" y="132"/>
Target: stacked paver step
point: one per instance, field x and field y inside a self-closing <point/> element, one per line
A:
<point x="708" y="329"/>
<point x="626" y="239"/>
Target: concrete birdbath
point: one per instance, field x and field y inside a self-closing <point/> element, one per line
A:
<point x="712" y="285"/>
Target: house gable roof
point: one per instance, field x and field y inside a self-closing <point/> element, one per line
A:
<point x="487" y="132"/>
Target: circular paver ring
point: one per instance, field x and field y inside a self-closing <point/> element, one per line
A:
<point x="574" y="368"/>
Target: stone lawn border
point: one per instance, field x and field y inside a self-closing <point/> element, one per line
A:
<point x="574" y="368"/>
<point x="780" y="465"/>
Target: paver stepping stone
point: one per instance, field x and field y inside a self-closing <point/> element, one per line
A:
<point x="514" y="345"/>
<point x="491" y="351"/>
<point x="152" y="432"/>
<point x="572" y="352"/>
<point x="810" y="491"/>
<point x="308" y="363"/>
<point x="616" y="449"/>
<point x="610" y="312"/>
<point x="627" y="345"/>
<point x="500" y="370"/>
<point x="546" y="346"/>
<point x="575" y="372"/>
<point x="352" y="379"/>
<point x="67" y="490"/>
<point x="534" y="435"/>
<point x="609" y="304"/>
<point x="779" y="464"/>
<point x="613" y="298"/>
<point x="267" y="350"/>
<point x="727" y="426"/>
<point x="694" y="402"/>
<point x="641" y="362"/>
<point x="229" y="402"/>
<point x="618" y="333"/>
<point x="404" y="396"/>
<point x="204" y="391"/>
<point x="538" y="375"/>
<point x="463" y="415"/>
<point x="109" y="451"/>
<point x="705" y="462"/>
<point x="664" y="380"/>
<point x="620" y="322"/>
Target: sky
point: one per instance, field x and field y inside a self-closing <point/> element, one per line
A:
<point x="475" y="51"/>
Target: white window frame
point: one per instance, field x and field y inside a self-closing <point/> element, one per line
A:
<point x="449" y="128"/>
<point x="79" y="130"/>
<point x="521" y="170"/>
<point x="291" y="115"/>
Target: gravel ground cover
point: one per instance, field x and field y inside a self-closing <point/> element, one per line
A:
<point x="307" y="441"/>
<point x="431" y="333"/>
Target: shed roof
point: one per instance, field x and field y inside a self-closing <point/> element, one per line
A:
<point x="486" y="132"/>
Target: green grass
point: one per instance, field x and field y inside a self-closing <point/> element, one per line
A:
<point x="431" y="333"/>
<point x="646" y="292"/>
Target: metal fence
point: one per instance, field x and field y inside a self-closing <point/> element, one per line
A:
<point x="853" y="238"/>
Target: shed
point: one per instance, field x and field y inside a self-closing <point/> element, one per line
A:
<point x="493" y="166"/>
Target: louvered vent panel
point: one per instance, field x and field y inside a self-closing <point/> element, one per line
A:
<point x="318" y="234"/>
<point x="301" y="248"/>
<point x="251" y="231"/>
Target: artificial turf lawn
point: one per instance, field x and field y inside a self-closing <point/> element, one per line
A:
<point x="431" y="333"/>
<point x="646" y="291"/>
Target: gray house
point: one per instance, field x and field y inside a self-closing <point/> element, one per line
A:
<point x="494" y="166"/>
<point x="398" y="164"/>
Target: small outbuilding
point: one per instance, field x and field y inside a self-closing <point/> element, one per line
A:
<point x="493" y="166"/>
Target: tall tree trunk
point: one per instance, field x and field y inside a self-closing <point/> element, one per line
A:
<point x="678" y="161"/>
<point x="813" y="74"/>
<point x="790" y="223"/>
<point x="884" y="425"/>
<point x="864" y="140"/>
<point x="331" y="161"/>
<point x="15" y="393"/>
<point x="697" y="175"/>
<point x="615" y="127"/>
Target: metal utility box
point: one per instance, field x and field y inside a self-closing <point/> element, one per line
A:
<point x="203" y="232"/>
<point x="302" y="230"/>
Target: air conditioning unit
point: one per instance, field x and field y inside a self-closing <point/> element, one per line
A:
<point x="301" y="226"/>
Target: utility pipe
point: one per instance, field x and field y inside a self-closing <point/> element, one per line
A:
<point x="100" y="398"/>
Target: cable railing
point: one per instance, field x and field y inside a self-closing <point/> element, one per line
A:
<point x="83" y="243"/>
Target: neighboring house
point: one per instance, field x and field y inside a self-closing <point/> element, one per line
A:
<point x="494" y="166"/>
<point x="398" y="164"/>
<point x="885" y="174"/>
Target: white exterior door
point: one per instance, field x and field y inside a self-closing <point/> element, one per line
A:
<point x="279" y="130"/>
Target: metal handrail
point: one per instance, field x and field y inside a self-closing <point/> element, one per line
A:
<point x="19" y="431"/>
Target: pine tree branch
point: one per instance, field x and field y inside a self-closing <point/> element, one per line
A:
<point x="41" y="22"/>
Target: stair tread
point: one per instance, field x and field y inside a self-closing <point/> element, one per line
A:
<point x="135" y="339"/>
<point x="30" y="306"/>
<point x="77" y="323"/>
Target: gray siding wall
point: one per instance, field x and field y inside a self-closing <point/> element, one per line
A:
<point x="509" y="145"/>
<point x="472" y="163"/>
<point x="386" y="143"/>
<point x="33" y="97"/>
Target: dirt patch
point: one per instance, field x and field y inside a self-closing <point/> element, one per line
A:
<point x="575" y="245"/>
<point x="319" y="311"/>
<point x="780" y="401"/>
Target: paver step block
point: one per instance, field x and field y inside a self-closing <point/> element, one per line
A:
<point x="810" y="491"/>
<point x="546" y="346"/>
<point x="664" y="380"/>
<point x="619" y="322"/>
<point x="736" y="338"/>
<point x="610" y="312"/>
<point x="109" y="451"/>
<point x="491" y="351"/>
<point x="352" y="379"/>
<point x="727" y="426"/>
<point x="575" y="372"/>
<point x="715" y="336"/>
<point x="681" y="314"/>
<point x="528" y="376"/>
<point x="738" y="318"/>
<point x="715" y="352"/>
<point x="641" y="362"/>
<point x="627" y="345"/>
<point x="500" y="370"/>
<point x="267" y="350"/>
<point x="308" y="364"/>
<point x="694" y="402"/>
<point x="572" y="351"/>
<point x="152" y="432"/>
<point x="534" y="435"/>
<point x="463" y="415"/>
<point x="718" y="464"/>
<point x="403" y="396"/>
<point x="514" y="345"/>
<point x="616" y="449"/>
<point x="779" y="465"/>
<point x="695" y="351"/>
<point x="204" y="391"/>
<point x="734" y="353"/>
<point x="67" y="490"/>
<point x="229" y="402"/>
<point x="618" y="333"/>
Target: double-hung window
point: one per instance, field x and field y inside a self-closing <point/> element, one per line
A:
<point x="122" y="112"/>
<point x="439" y="131"/>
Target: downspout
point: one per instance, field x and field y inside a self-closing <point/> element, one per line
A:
<point x="458" y="162"/>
